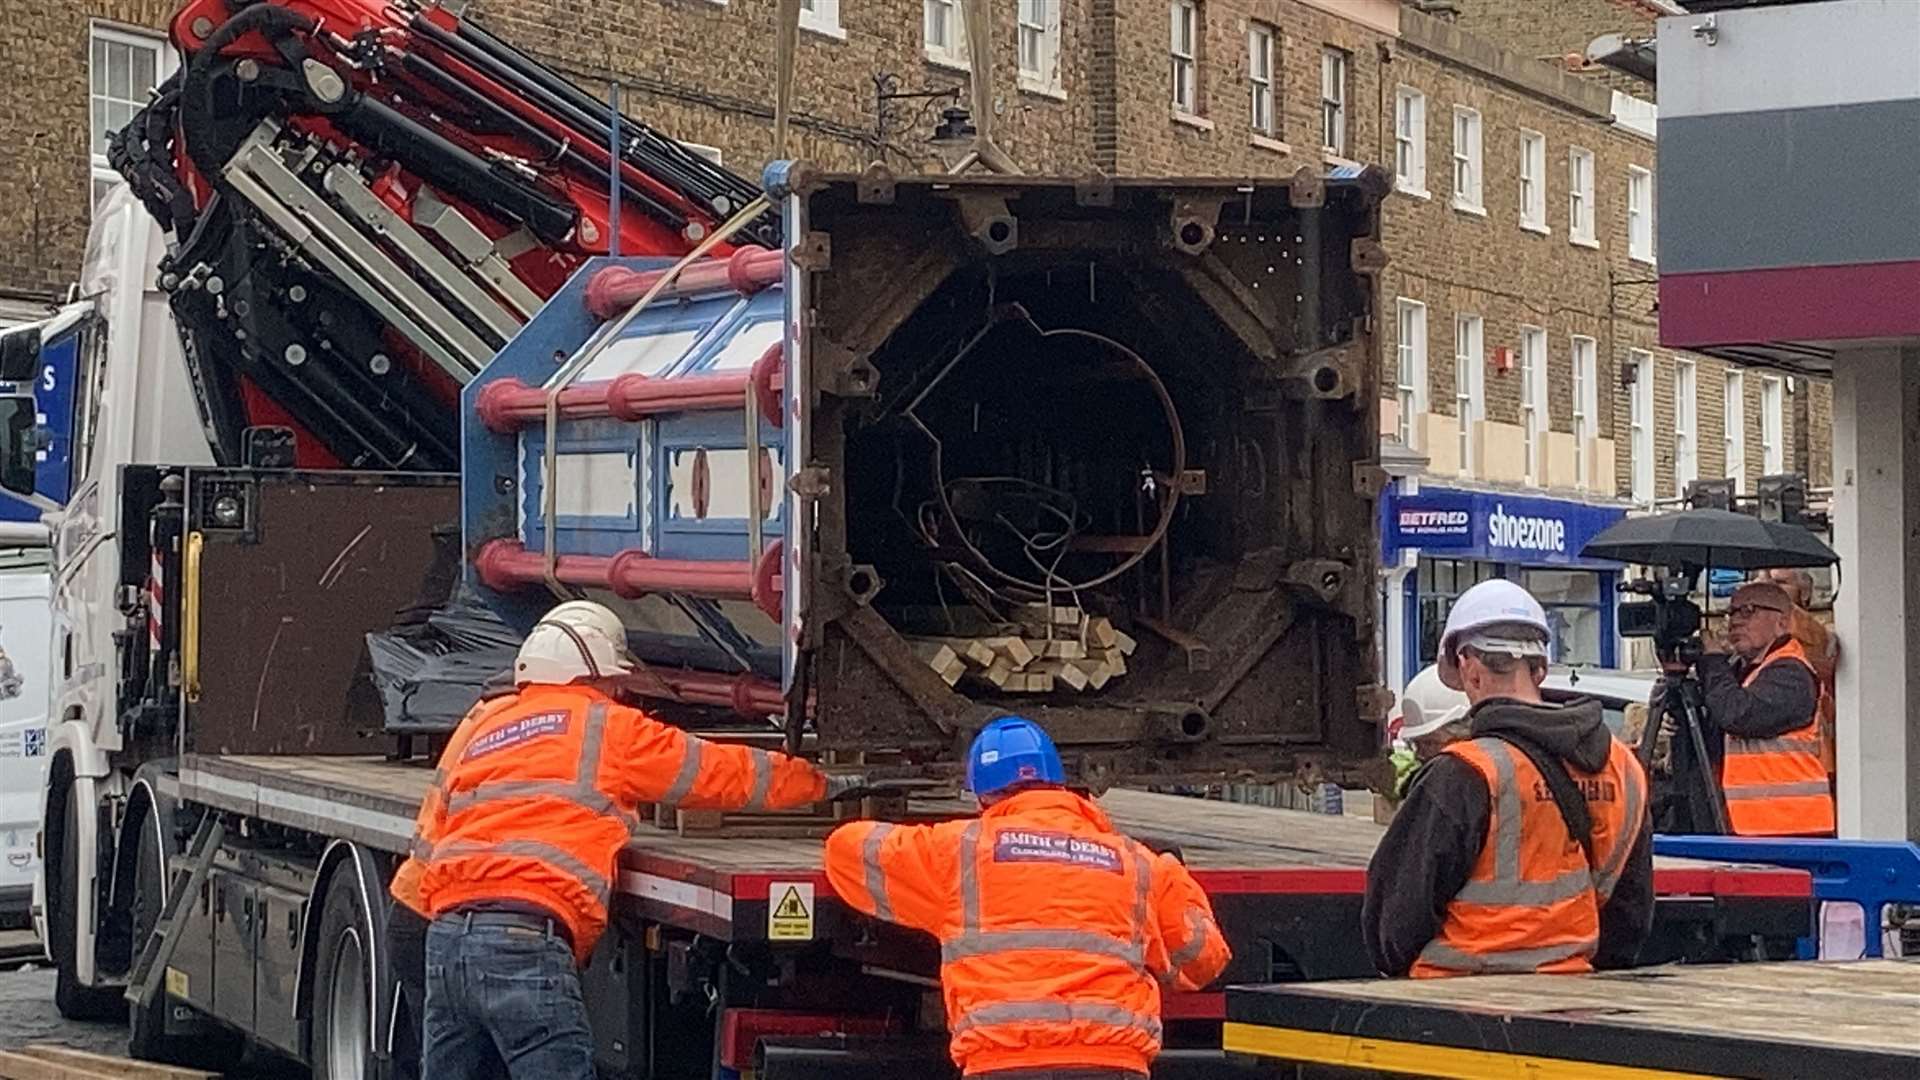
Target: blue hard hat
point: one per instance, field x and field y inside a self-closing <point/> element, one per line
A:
<point x="1012" y="750"/>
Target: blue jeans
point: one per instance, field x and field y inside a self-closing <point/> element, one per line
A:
<point x="503" y="996"/>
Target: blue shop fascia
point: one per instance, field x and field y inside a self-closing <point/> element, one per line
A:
<point x="1436" y="542"/>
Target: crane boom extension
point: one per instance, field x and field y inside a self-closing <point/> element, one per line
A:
<point x="367" y="200"/>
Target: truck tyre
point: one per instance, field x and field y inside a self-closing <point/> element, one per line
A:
<point x="74" y="1000"/>
<point x="207" y="1046"/>
<point x="342" y="1007"/>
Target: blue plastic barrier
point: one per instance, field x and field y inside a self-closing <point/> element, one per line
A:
<point x="1871" y="873"/>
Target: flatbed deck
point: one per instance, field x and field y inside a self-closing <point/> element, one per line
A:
<point x="1799" y="1019"/>
<point x="1277" y="877"/>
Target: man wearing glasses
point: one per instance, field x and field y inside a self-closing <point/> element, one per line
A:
<point x="1762" y="694"/>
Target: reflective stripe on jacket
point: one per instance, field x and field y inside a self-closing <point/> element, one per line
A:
<point x="537" y="791"/>
<point x="1056" y="933"/>
<point x="1532" y="902"/>
<point x="1778" y="786"/>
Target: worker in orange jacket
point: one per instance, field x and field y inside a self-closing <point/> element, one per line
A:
<point x="536" y="792"/>
<point x="1056" y="932"/>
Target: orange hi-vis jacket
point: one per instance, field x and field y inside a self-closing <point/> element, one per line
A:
<point x="1533" y="900"/>
<point x="1778" y="786"/>
<point x="537" y="791"/>
<point x="1056" y="932"/>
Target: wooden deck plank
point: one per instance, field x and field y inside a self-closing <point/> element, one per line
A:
<point x="1223" y="836"/>
<point x="1867" y="1005"/>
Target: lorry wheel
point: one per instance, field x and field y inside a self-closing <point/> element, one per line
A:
<point x="207" y="1046"/>
<point x="342" y="1009"/>
<point x="75" y="1000"/>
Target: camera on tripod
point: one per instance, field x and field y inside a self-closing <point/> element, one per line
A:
<point x="1668" y="616"/>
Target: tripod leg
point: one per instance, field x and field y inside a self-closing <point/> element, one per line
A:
<point x="1707" y="786"/>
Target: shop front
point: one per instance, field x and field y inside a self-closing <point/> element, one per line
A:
<point x="1438" y="542"/>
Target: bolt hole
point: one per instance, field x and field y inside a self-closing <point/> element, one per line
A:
<point x="1193" y="234"/>
<point x="1193" y="724"/>
<point x="1326" y="380"/>
<point x="860" y="582"/>
<point x="1000" y="232"/>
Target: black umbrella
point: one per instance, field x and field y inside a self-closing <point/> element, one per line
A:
<point x="1702" y="538"/>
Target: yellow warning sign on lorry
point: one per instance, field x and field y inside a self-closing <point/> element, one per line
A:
<point x="790" y="911"/>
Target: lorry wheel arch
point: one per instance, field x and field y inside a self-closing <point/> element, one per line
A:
<point x="70" y="815"/>
<point x="357" y="870"/>
<point x="148" y="810"/>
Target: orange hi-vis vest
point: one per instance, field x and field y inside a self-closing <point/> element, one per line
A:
<point x="1778" y="786"/>
<point x="537" y="794"/>
<point x="1056" y="933"/>
<point x="1533" y="900"/>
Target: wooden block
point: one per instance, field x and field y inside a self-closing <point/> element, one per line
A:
<point x="1015" y="650"/>
<point x="1045" y="616"/>
<point x="1098" y="672"/>
<point x="1057" y="649"/>
<point x="1029" y="682"/>
<point x="1124" y="642"/>
<point x="999" y="673"/>
<point x="975" y="651"/>
<point x="1063" y="672"/>
<point x="941" y="658"/>
<point x="98" y="1064"/>
<point x="1101" y="634"/>
<point x="1115" y="660"/>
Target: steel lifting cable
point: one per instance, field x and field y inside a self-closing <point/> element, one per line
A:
<point x="549" y="497"/>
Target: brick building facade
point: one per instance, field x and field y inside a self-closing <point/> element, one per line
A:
<point x="1223" y="87"/>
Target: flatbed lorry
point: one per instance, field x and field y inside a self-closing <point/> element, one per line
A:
<point x="233" y="690"/>
<point x="1285" y="884"/>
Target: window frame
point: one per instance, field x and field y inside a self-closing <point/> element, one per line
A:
<point x="1640" y="217"/>
<point x="1584" y="360"/>
<point x="1640" y="426"/>
<point x="1470" y="158"/>
<point x="1410" y="368"/>
<point x="1533" y="160"/>
<point x="165" y="63"/>
<point x="1045" y="79"/>
<point x="1336" y="67"/>
<point x="1469" y="381"/>
<point x="1733" y="428"/>
<point x="1580" y="197"/>
<point x="1263" y="56"/>
<point x="822" y="17"/>
<point x="955" y="53"/>
<point x="1773" y="425"/>
<point x="1686" y="424"/>
<point x="1184" y="71"/>
<point x="1536" y="419"/>
<point x="1410" y="128"/>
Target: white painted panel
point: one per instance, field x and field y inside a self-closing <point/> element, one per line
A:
<point x="1798" y="56"/>
<point x="748" y="345"/>
<point x="727" y="478"/>
<point x="600" y="484"/>
<point x="649" y="355"/>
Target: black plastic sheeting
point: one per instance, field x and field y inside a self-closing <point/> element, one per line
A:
<point x="432" y="670"/>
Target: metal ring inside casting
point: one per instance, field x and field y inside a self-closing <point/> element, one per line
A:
<point x="1160" y="529"/>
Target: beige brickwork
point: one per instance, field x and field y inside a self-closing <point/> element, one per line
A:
<point x="703" y="71"/>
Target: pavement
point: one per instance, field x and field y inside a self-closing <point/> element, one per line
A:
<point x="27" y="1016"/>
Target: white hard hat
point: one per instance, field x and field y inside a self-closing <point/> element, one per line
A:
<point x="1429" y="705"/>
<point x="1497" y="616"/>
<point x="576" y="640"/>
